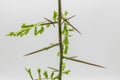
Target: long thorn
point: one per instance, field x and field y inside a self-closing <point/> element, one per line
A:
<point x="56" y="70"/>
<point x="46" y="48"/>
<point x="71" y="25"/>
<point x="76" y="60"/>
<point x="69" y="18"/>
<point x="50" y="21"/>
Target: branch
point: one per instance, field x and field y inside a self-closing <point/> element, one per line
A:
<point x="46" y="48"/>
<point x="76" y="60"/>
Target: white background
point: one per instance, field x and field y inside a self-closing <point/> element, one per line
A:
<point x="98" y="20"/>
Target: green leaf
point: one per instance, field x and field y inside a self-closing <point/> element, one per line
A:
<point x="63" y="66"/>
<point x="35" y="31"/>
<point x="39" y="76"/>
<point x="58" y="54"/>
<point x="55" y="14"/>
<point x="66" y="50"/>
<point x="52" y="74"/>
<point x="39" y="70"/>
<point x="66" y="72"/>
<point x="56" y="77"/>
<point x="23" y="26"/>
<point x="25" y="31"/>
<point x="48" y="25"/>
<point x="41" y="30"/>
<point x="29" y="72"/>
<point x="45" y="74"/>
<point x="18" y="33"/>
<point x="10" y="34"/>
<point x="65" y="13"/>
<point x="65" y="41"/>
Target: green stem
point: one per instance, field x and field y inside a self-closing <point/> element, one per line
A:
<point x="60" y="39"/>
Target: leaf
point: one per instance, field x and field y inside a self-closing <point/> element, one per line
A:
<point x="45" y="74"/>
<point x="63" y="66"/>
<point x="39" y="76"/>
<point x="66" y="50"/>
<point x="55" y="14"/>
<point x="29" y="72"/>
<point x="42" y="29"/>
<point x="65" y="13"/>
<point x="52" y="74"/>
<point x="26" y="31"/>
<point x="58" y="54"/>
<point x="23" y="26"/>
<point x="35" y="31"/>
<point x="39" y="70"/>
<point x="56" y="77"/>
<point x="65" y="41"/>
<point x="66" y="72"/>
<point x="47" y="25"/>
<point x="10" y="34"/>
<point x="18" y="33"/>
<point x="65" y="28"/>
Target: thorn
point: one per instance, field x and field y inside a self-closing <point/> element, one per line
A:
<point x="71" y="25"/>
<point x="50" y="21"/>
<point x="84" y="62"/>
<point x="43" y="49"/>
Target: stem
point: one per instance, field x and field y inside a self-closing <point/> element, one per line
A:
<point x="60" y="39"/>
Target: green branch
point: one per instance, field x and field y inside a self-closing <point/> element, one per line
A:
<point x="60" y="39"/>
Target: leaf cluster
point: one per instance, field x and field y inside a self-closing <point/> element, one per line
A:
<point x="46" y="74"/>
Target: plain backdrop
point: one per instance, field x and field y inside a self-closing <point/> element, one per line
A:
<point x="98" y="21"/>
